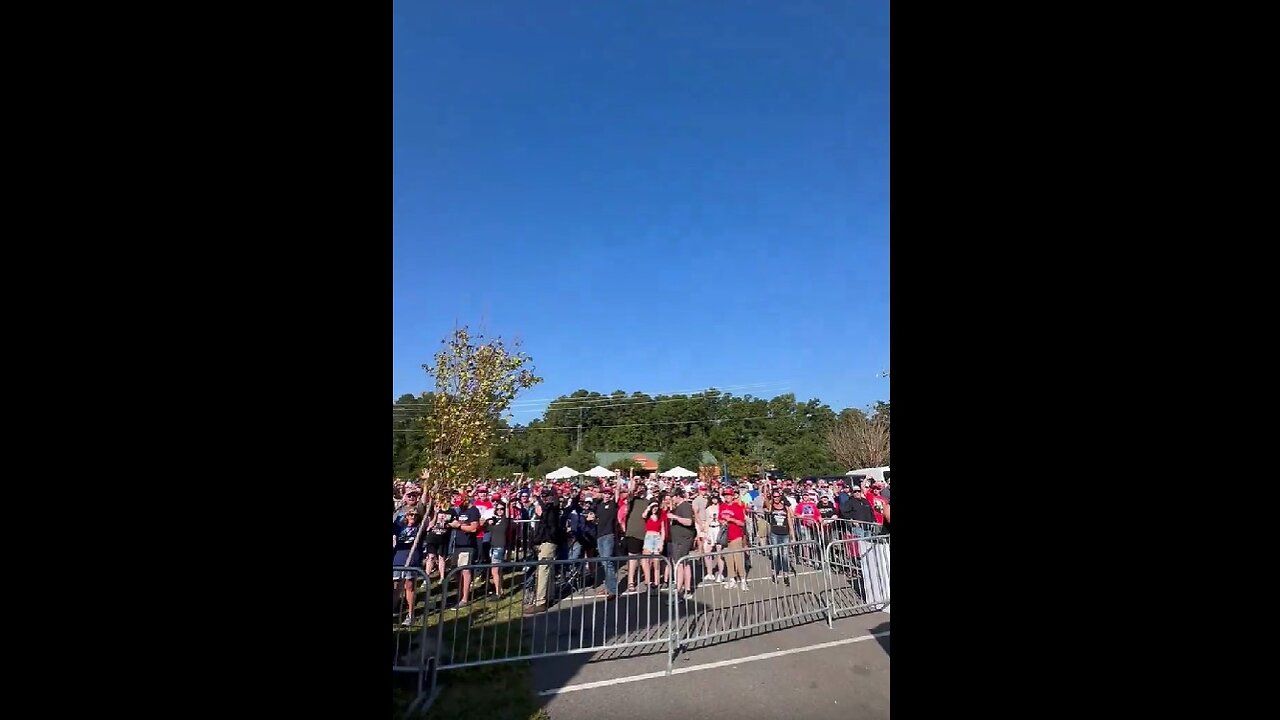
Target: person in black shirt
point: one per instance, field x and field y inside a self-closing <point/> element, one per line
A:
<point x="498" y="527"/>
<point x="467" y="524"/>
<point x="435" y="538"/>
<point x="682" y="535"/>
<point x="857" y="508"/>
<point x="606" y="516"/>
<point x="549" y="535"/>
<point x="827" y="515"/>
<point x="781" y="519"/>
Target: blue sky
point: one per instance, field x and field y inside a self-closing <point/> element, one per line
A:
<point x="653" y="196"/>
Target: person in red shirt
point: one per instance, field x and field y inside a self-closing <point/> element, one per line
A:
<point x="655" y="536"/>
<point x="733" y="514"/>
<point x="878" y="501"/>
<point x="807" y="521"/>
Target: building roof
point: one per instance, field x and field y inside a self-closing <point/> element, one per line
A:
<point x="648" y="460"/>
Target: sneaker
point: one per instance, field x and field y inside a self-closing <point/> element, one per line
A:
<point x="786" y="581"/>
<point x="535" y="609"/>
<point x="743" y="586"/>
<point x="688" y="595"/>
<point x="408" y="620"/>
<point x="731" y="584"/>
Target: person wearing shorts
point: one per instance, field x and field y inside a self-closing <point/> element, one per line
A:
<point x="654" y="537"/>
<point x="498" y="527"/>
<point x="467" y="525"/>
<point x="403" y="536"/>
<point x="435" y="538"/>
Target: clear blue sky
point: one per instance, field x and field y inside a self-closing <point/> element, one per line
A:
<point x="653" y="195"/>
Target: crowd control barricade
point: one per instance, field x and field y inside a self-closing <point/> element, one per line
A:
<point x="784" y="587"/>
<point x="548" y="608"/>
<point x="857" y="576"/>
<point x="409" y="641"/>
<point x="849" y="529"/>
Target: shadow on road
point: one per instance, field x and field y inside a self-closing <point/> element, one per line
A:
<point x="882" y="639"/>
<point x="578" y="628"/>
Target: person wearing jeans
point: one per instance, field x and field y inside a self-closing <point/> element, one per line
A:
<point x="781" y="521"/>
<point x="606" y="512"/>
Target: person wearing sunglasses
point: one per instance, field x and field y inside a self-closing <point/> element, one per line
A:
<point x="499" y="529"/>
<point x="403" y="535"/>
<point x="782" y="527"/>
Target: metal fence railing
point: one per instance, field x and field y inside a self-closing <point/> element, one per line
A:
<point x="409" y="609"/>
<point x="526" y="610"/>
<point x="857" y="576"/>
<point x="849" y="529"/>
<point x="783" y="585"/>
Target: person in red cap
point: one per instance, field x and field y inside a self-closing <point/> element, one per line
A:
<point x="734" y="515"/>
<point x="877" y="500"/>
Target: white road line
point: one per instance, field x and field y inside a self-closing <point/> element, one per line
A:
<point x="710" y="666"/>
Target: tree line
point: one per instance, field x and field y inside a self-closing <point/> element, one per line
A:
<point x="750" y="434"/>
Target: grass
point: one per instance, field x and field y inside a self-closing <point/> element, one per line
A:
<point x="495" y="692"/>
<point x="502" y="691"/>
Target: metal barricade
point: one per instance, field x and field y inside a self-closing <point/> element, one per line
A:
<point x="849" y="529"/>
<point x="784" y="587"/>
<point x="493" y="626"/>
<point x="523" y="549"/>
<point x="857" y="576"/>
<point x="409" y="642"/>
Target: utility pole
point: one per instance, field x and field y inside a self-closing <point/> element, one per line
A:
<point x="579" y="428"/>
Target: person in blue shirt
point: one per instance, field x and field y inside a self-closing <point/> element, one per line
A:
<point x="403" y="536"/>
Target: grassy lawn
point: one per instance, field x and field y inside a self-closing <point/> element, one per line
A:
<point x="495" y="692"/>
<point x="498" y="692"/>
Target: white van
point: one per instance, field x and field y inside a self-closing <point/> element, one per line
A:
<point x="880" y="474"/>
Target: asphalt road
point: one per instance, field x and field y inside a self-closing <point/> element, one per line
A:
<point x="808" y="671"/>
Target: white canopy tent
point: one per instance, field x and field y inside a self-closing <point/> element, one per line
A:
<point x="563" y="473"/>
<point x="599" y="472"/>
<point x="678" y="472"/>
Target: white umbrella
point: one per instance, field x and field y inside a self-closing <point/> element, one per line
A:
<point x="599" y="472"/>
<point x="563" y="473"/>
<point x="678" y="472"/>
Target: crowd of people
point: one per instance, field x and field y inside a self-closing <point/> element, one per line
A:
<point x="640" y="519"/>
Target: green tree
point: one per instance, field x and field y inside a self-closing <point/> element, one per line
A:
<point x="475" y="384"/>
<point x="581" y="460"/>
<point x="685" y="452"/>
